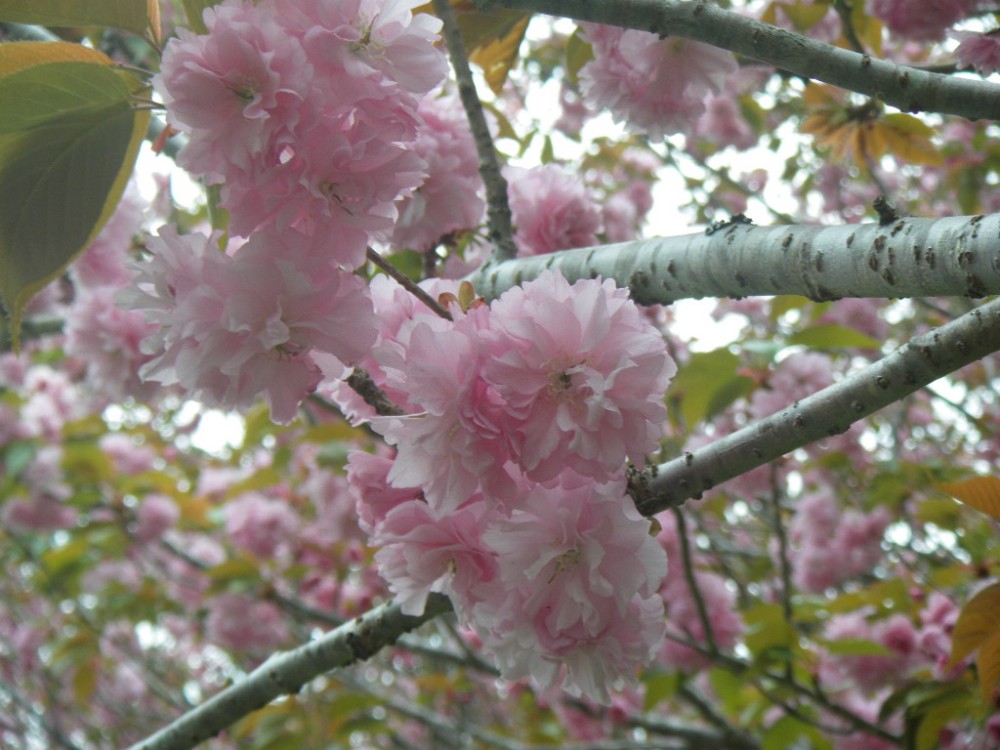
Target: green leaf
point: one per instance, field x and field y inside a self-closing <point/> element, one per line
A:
<point x="768" y="629"/>
<point x="36" y="95"/>
<point x="855" y="647"/>
<point x="131" y="15"/>
<point x="982" y="493"/>
<point x="194" y="9"/>
<point x="707" y="384"/>
<point x="660" y="687"/>
<point x="17" y="456"/>
<point x="788" y="730"/>
<point x="67" y="147"/>
<point x="833" y="337"/>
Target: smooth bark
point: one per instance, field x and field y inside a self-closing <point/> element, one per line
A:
<point x="910" y="257"/>
<point x="909" y="89"/>
<point x="285" y="673"/>
<point x="829" y="412"/>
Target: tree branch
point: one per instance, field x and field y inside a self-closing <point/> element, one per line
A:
<point x="501" y="230"/>
<point x="908" y="89"/>
<point x="910" y="257"/>
<point x="285" y="673"/>
<point x="829" y="412"/>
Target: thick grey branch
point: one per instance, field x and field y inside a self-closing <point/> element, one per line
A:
<point x="286" y="673"/>
<point x="910" y="257"/>
<point x="906" y="88"/>
<point x="829" y="412"/>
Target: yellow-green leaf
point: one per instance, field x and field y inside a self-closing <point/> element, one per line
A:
<point x="909" y="139"/>
<point x="194" y="9"/>
<point x="805" y="15"/>
<point x="982" y="493"/>
<point x="131" y="15"/>
<point x="833" y="337"/>
<point x="988" y="664"/>
<point x="497" y="54"/>
<point x="977" y="622"/>
<point x="15" y="56"/>
<point x="491" y="39"/>
<point x="68" y="141"/>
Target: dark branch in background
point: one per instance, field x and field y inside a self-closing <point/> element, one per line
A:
<point x="286" y="673"/>
<point x="956" y="256"/>
<point x="921" y="361"/>
<point x="497" y="208"/>
<point x="844" y="10"/>
<point x="908" y="89"/>
<point x="692" y="582"/>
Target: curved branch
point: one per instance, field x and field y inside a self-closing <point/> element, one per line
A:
<point x="829" y="412"/>
<point x="285" y="673"/>
<point x="909" y="89"/>
<point x="909" y="257"/>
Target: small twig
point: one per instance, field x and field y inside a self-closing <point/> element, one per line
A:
<point x="887" y="213"/>
<point x="374" y="396"/>
<point x="783" y="561"/>
<point x="706" y="622"/>
<point x="844" y="9"/>
<point x="501" y="230"/>
<point x="407" y="283"/>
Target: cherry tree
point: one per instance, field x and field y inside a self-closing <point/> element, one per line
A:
<point x="404" y="431"/>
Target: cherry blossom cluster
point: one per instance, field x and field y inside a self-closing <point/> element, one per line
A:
<point x="305" y="113"/>
<point x="265" y="320"/>
<point x="507" y="490"/>
<point x="657" y="86"/>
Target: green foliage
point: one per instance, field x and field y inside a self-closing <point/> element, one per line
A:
<point x="68" y="143"/>
<point x="136" y="16"/>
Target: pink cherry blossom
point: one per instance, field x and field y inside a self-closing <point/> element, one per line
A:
<point x="581" y="373"/>
<point x="449" y="198"/>
<point x="239" y="91"/>
<point x="394" y="307"/>
<point x="576" y="564"/>
<point x="103" y="263"/>
<point x="109" y="340"/>
<point x="368" y="476"/>
<point x="684" y="619"/>
<point x="923" y="20"/>
<point x="656" y="86"/>
<point x="980" y="51"/>
<point x="245" y="626"/>
<point x="155" y="515"/>
<point x="830" y="544"/>
<point x="551" y="210"/>
<point x="127" y="455"/>
<point x="870" y="672"/>
<point x="455" y="446"/>
<point x="339" y="186"/>
<point x="261" y="525"/>
<point x="422" y="552"/>
<point x="231" y="328"/>
<point x="306" y="113"/>
<point x="377" y="42"/>
<point x="797" y="376"/>
<point x="723" y="125"/>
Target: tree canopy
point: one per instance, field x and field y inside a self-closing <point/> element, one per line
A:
<point x="499" y="374"/>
